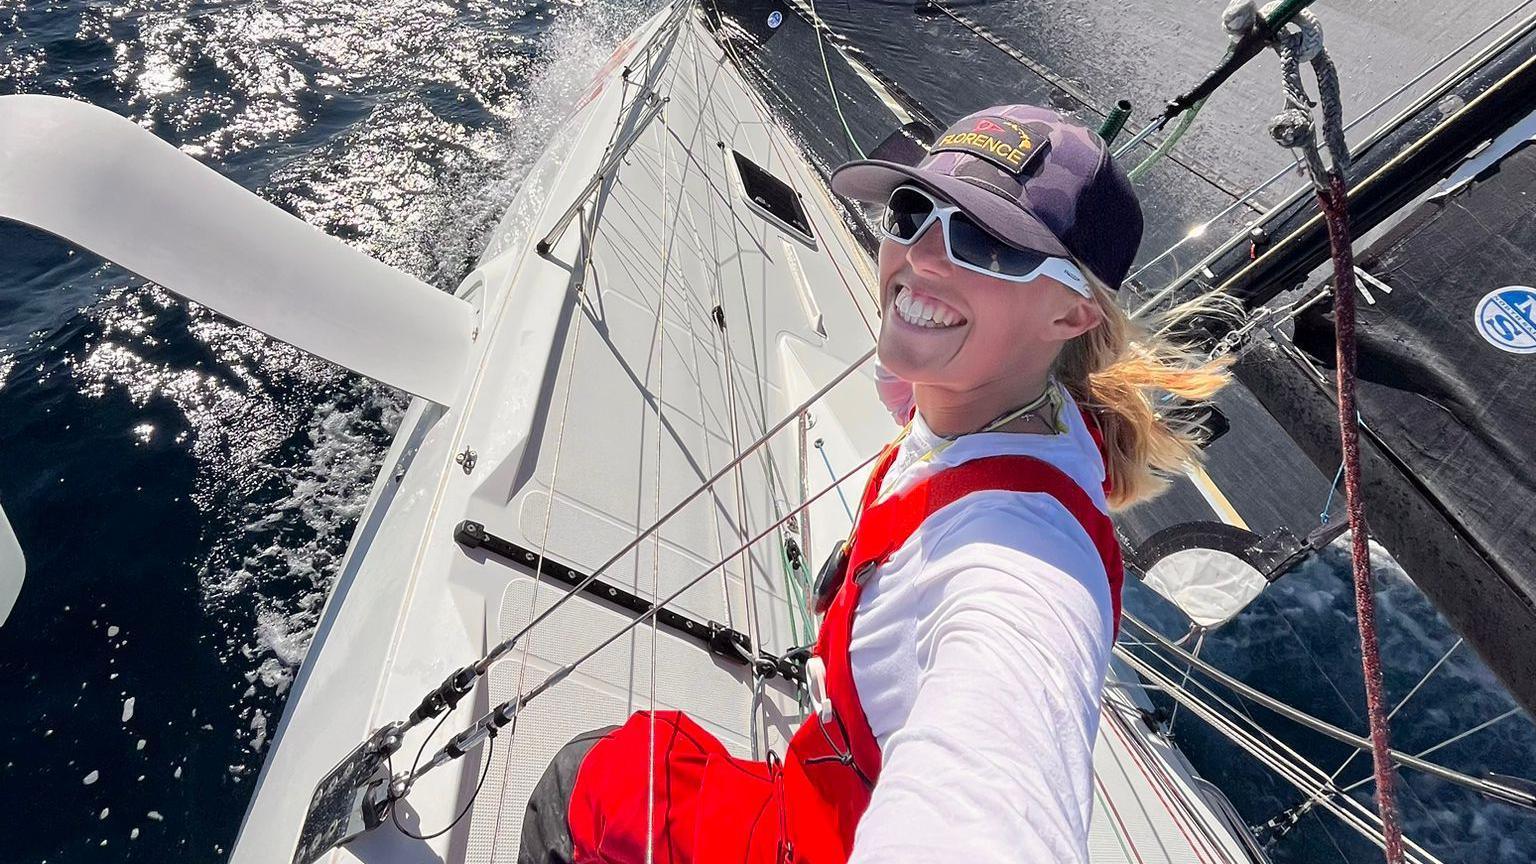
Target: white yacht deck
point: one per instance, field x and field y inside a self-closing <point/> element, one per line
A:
<point x="603" y="395"/>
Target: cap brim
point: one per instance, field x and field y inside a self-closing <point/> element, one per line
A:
<point x="874" y="180"/>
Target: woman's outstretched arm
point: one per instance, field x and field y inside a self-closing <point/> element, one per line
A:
<point x="995" y="760"/>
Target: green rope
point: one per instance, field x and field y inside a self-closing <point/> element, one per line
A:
<point x="798" y="604"/>
<point x="791" y="597"/>
<point x="1186" y="120"/>
<point x="831" y="88"/>
<point x="799" y="624"/>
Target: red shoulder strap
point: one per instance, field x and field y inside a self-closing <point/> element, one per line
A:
<point x="1097" y="434"/>
<point x="885" y="525"/>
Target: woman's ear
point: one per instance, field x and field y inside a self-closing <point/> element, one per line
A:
<point x="1080" y="315"/>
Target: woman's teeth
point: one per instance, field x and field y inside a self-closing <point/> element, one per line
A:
<point x="925" y="312"/>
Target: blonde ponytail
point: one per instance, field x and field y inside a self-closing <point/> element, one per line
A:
<point x="1120" y="371"/>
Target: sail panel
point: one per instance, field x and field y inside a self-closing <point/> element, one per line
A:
<point x="1448" y="358"/>
<point x="1447" y="390"/>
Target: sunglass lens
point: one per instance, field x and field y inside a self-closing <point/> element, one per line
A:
<point x="906" y="213"/>
<point x="971" y="243"/>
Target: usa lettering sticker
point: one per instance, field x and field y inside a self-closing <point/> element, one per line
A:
<point x="1506" y="318"/>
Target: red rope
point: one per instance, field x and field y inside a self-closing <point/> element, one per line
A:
<point x="1335" y="205"/>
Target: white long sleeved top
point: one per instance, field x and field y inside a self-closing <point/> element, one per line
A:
<point x="978" y="651"/>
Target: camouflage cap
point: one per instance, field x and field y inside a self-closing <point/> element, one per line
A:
<point x="1029" y="177"/>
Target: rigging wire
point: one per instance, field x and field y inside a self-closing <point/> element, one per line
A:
<point x="807" y="544"/>
<point x="585" y="263"/>
<point x="1080" y="96"/>
<point x="1457" y="737"/>
<point x="485" y="771"/>
<point x="588" y="236"/>
<point x="748" y="566"/>
<point x="507" y="712"/>
<point x="803" y="460"/>
<point x="1498" y="791"/>
<point x="1253" y="738"/>
<point x="754" y="624"/>
<point x="651" y="532"/>
<point x="1294" y="814"/>
<point x="1276" y="755"/>
<point x="1306" y="805"/>
<point x="1333" y="778"/>
<point x="1427" y="675"/>
<point x="661" y="369"/>
<point x="589" y="230"/>
<point x="827" y="461"/>
<point x="1296" y="163"/>
<point x="896" y="98"/>
<point x="1258" y="741"/>
<point x="760" y="104"/>
<point x="714" y="292"/>
<point x="1186" y="120"/>
<point x="1333" y="489"/>
<point x="1199" y="643"/>
<point x="488" y="724"/>
<point x="676" y="508"/>
<point x="499" y="650"/>
<point x="749" y="583"/>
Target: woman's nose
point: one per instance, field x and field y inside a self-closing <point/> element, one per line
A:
<point x="927" y="255"/>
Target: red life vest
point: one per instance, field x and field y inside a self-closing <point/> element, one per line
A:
<point x="709" y="807"/>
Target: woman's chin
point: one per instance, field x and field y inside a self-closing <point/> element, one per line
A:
<point x="915" y="353"/>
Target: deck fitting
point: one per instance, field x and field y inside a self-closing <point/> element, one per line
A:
<point x="467" y="460"/>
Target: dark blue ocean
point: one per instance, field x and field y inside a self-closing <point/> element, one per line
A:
<point x="185" y="487"/>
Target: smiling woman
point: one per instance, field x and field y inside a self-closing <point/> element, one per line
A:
<point x="969" y="616"/>
<point x="1017" y="290"/>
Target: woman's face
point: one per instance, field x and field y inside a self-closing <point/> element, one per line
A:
<point x="974" y="329"/>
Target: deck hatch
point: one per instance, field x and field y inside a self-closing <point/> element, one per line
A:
<point x="772" y="198"/>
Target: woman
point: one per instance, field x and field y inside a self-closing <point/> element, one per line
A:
<point x="970" y="617"/>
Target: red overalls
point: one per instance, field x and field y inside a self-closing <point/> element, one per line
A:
<point x="712" y="808"/>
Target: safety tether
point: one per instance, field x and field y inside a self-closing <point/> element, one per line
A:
<point x="1302" y="41"/>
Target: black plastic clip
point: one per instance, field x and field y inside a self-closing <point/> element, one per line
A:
<point x="766" y="666"/>
<point x="730" y="643"/>
<point x="829" y="580"/>
<point x="792" y="552"/>
<point x="792" y="664"/>
<point x="447" y="695"/>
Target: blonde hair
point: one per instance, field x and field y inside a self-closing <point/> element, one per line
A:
<point x="1121" y="371"/>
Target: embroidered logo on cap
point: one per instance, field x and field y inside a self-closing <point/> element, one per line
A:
<point x="1003" y="142"/>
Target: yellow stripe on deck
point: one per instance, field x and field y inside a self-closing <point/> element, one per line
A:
<point x="1215" y="497"/>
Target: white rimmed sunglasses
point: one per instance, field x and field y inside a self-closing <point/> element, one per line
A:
<point x="910" y="211"/>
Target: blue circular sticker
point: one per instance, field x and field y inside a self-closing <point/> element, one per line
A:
<point x="775" y="18"/>
<point x="1507" y="319"/>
